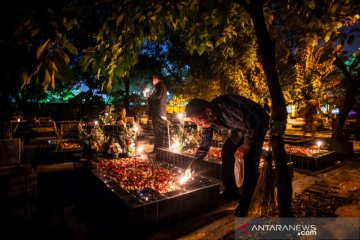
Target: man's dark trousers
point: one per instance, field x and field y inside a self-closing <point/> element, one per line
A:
<point x="251" y="164"/>
<point x="159" y="125"/>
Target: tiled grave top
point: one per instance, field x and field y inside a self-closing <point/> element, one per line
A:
<point x="138" y="183"/>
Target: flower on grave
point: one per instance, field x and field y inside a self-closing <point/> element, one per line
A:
<point x="132" y="149"/>
<point x="114" y="148"/>
<point x="183" y="138"/>
<point x="191" y="140"/>
<point x="95" y="140"/>
<point x="106" y="116"/>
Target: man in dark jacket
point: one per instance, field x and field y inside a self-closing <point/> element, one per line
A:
<point x="157" y="111"/>
<point x="248" y="123"/>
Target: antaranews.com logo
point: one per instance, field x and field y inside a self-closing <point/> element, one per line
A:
<point x="285" y="228"/>
<point x="301" y="230"/>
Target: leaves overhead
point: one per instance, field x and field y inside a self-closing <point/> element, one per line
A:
<point x="106" y="41"/>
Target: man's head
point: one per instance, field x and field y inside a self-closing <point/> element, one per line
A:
<point x="155" y="79"/>
<point x="200" y="112"/>
<point x="122" y="112"/>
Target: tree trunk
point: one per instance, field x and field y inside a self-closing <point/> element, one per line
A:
<point x="339" y="142"/>
<point x="278" y="111"/>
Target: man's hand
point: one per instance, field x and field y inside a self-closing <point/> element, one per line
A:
<point x="243" y="150"/>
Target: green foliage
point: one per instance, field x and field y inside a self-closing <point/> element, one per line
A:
<point x="316" y="34"/>
<point x="61" y="93"/>
<point x="201" y="88"/>
<point x="311" y="72"/>
<point x="102" y="47"/>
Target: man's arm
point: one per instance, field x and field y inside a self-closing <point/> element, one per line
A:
<point x="202" y="150"/>
<point x="205" y="144"/>
<point x="159" y="91"/>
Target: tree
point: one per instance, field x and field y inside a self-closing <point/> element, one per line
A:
<point x="38" y="43"/>
<point x="312" y="71"/>
<point x="278" y="112"/>
<point x="351" y="77"/>
<point x="335" y="23"/>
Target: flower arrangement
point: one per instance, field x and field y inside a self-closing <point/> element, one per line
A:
<point x="183" y="138"/>
<point x="114" y="143"/>
<point x="114" y="148"/>
<point x="93" y="141"/>
<point x="107" y="117"/>
<point x="132" y="149"/>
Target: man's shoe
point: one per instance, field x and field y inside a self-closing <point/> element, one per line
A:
<point x="240" y="212"/>
<point x="229" y="195"/>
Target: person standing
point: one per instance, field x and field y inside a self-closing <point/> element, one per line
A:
<point x="309" y="113"/>
<point x="121" y="118"/>
<point x="248" y="123"/>
<point x="157" y="111"/>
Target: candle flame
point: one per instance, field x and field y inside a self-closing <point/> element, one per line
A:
<point x="136" y="128"/>
<point x="175" y="145"/>
<point x="183" y="179"/>
<point x="140" y="149"/>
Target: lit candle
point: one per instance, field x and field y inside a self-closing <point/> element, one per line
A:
<point x="146" y="92"/>
<point x="139" y="149"/>
<point x="136" y="128"/>
<point x="180" y="116"/>
<point x="18" y="119"/>
<point x="319" y="143"/>
<point x="175" y="145"/>
<point x="183" y="179"/>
